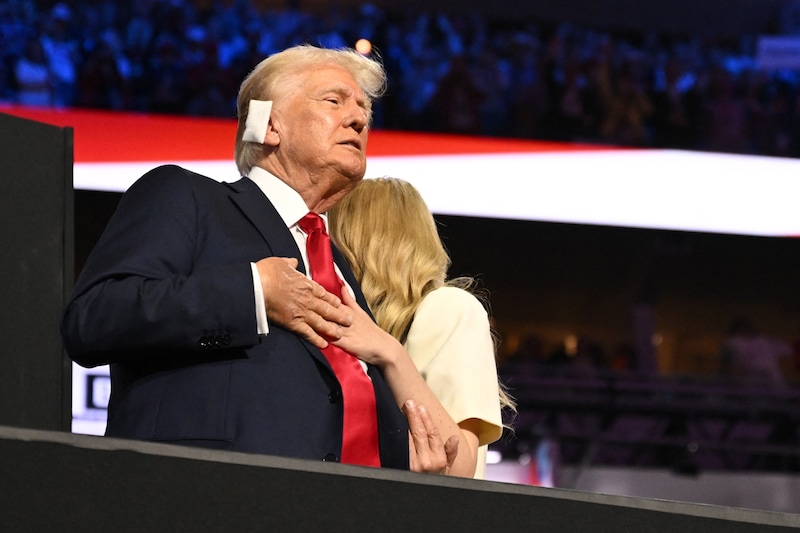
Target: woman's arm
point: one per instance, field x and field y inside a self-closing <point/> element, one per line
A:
<point x="370" y="343"/>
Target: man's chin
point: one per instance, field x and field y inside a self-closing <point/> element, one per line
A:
<point x="354" y="172"/>
<point x="348" y="178"/>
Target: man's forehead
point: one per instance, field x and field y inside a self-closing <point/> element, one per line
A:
<point x="332" y="75"/>
<point x="315" y="80"/>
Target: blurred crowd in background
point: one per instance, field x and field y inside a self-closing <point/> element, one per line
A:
<point x="459" y="73"/>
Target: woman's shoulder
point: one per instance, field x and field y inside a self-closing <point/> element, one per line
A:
<point x="456" y="300"/>
<point x="449" y="320"/>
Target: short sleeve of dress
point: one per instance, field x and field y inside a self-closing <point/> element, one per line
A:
<point x="450" y="342"/>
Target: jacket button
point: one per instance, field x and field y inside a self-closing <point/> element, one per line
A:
<point x="334" y="396"/>
<point x="331" y="458"/>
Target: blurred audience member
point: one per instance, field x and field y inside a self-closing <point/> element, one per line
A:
<point x="623" y="358"/>
<point x="627" y="109"/>
<point x="63" y="54"/>
<point x="456" y="104"/>
<point x="726" y="117"/>
<point x="526" y="360"/>
<point x="751" y="356"/>
<point x="100" y="82"/>
<point x="676" y="106"/>
<point x="32" y="77"/>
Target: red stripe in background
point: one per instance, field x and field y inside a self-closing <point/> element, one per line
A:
<point x="103" y="136"/>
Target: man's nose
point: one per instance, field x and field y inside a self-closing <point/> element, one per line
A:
<point x="356" y="117"/>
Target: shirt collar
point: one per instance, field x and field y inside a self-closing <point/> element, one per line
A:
<point x="290" y="205"/>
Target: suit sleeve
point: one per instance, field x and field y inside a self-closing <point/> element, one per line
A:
<point x="142" y="290"/>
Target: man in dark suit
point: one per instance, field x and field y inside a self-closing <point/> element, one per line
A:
<point x="197" y="296"/>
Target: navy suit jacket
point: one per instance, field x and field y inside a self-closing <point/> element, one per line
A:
<point x="166" y="298"/>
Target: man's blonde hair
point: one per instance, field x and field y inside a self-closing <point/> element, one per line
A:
<point x="270" y="74"/>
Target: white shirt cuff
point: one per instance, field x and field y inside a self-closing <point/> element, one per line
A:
<point x="261" y="308"/>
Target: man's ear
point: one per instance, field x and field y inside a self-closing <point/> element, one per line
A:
<point x="272" y="137"/>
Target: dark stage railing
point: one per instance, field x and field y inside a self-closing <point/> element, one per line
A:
<point x="54" y="481"/>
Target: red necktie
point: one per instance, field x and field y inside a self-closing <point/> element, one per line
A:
<point x="360" y="433"/>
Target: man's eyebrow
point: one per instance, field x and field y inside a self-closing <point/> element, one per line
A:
<point x="347" y="92"/>
<point x="336" y="89"/>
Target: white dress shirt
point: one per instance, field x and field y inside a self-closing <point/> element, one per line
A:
<point x="291" y="207"/>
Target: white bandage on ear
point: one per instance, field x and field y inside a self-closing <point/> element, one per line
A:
<point x="255" y="129"/>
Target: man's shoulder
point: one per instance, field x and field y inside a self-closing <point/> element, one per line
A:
<point x="175" y="172"/>
<point x="174" y="176"/>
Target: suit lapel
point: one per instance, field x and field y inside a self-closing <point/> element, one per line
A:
<point x="258" y="209"/>
<point x="263" y="215"/>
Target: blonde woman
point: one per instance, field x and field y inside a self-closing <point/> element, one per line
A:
<point x="388" y="236"/>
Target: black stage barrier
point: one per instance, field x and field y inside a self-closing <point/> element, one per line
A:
<point x="36" y="262"/>
<point x="57" y="481"/>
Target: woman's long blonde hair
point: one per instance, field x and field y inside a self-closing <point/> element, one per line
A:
<point x="389" y="238"/>
<point x="388" y="235"/>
